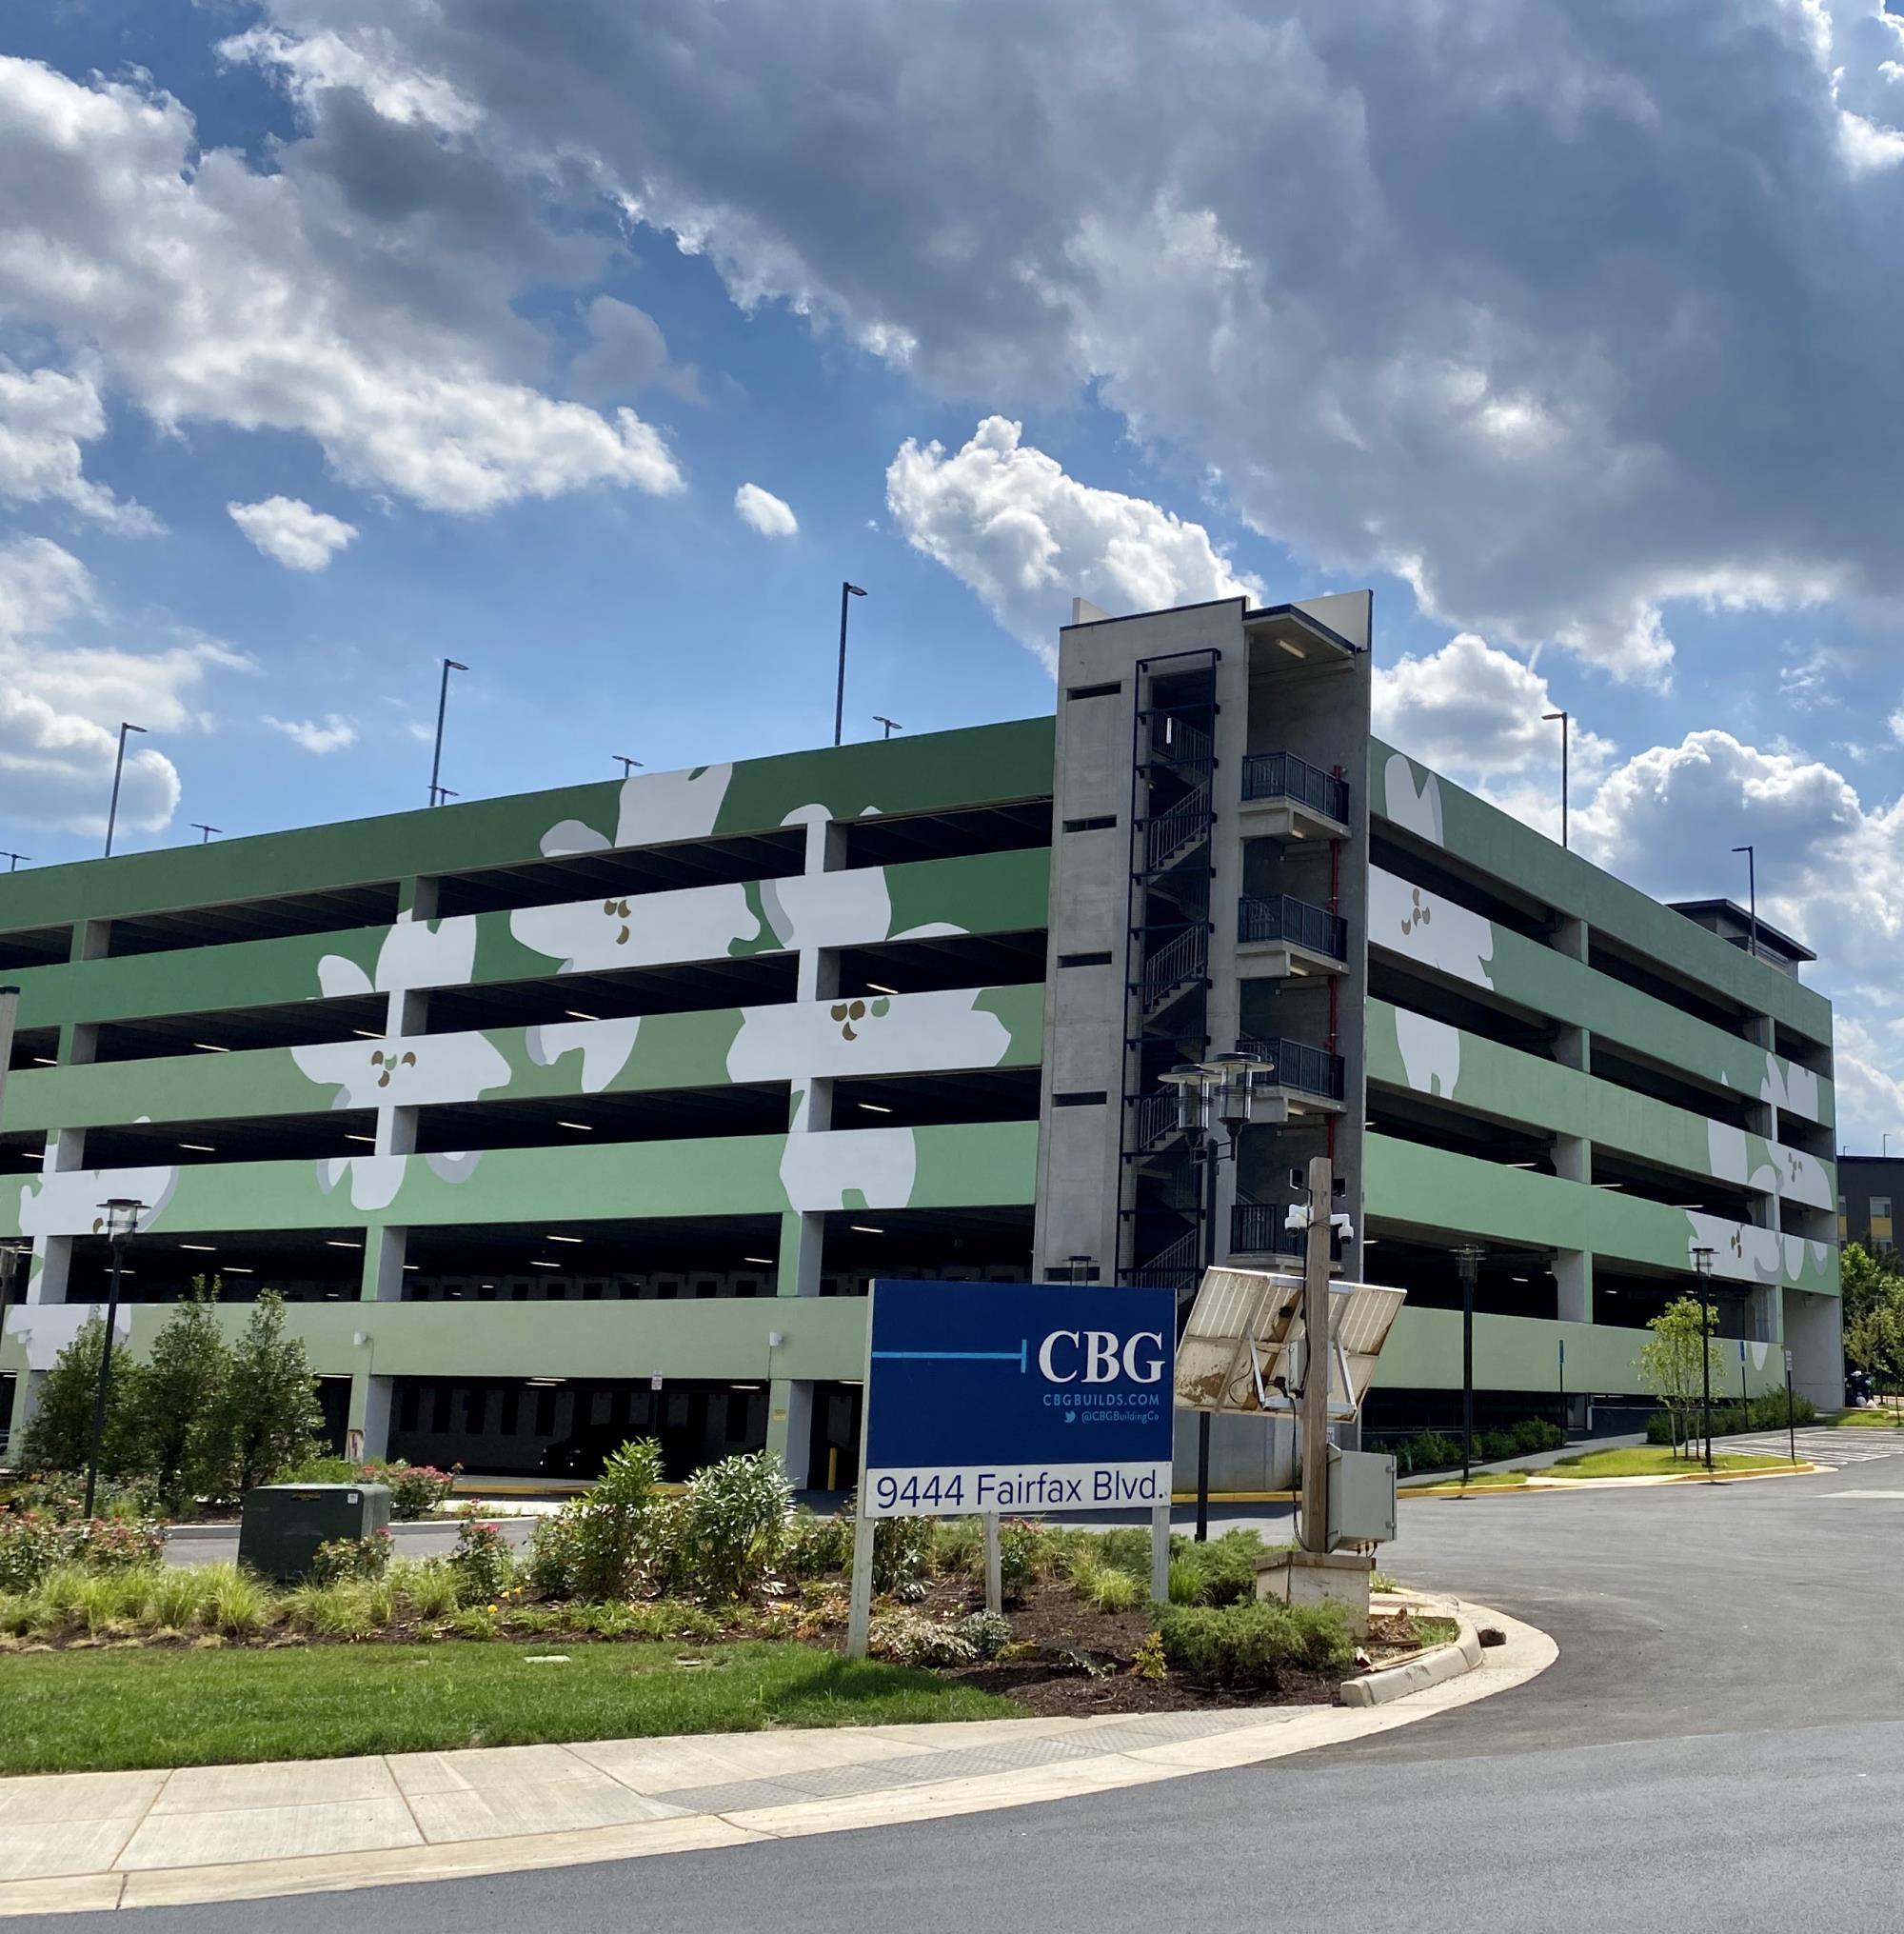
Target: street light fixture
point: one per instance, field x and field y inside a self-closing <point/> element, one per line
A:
<point x="1221" y="1090"/>
<point x="1702" y="1262"/>
<point x="846" y="591"/>
<point x="199" y="826"/>
<point x="1751" y="894"/>
<point x="122" y="1219"/>
<point x="439" y="794"/>
<point x="1549" y="717"/>
<point x="118" y="772"/>
<point x="891" y="726"/>
<point x="626" y="764"/>
<point x="1468" y="1256"/>
<point x="13" y="861"/>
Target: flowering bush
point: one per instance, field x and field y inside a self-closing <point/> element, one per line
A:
<point x="481" y="1562"/>
<point x="117" y="1544"/>
<point x="338" y="1558"/>
<point x="416" y="1489"/>
<point x="909" y="1638"/>
<point x="734" y="1524"/>
<point x="31" y="1542"/>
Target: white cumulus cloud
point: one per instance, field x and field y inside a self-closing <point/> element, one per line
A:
<point x="46" y="415"/>
<point x="332" y="733"/>
<point x="62" y="700"/>
<point x="289" y="530"/>
<point x="763" y="511"/>
<point x="205" y="289"/>
<point x="1008" y="521"/>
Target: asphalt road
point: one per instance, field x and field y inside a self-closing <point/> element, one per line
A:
<point x="1719" y="1746"/>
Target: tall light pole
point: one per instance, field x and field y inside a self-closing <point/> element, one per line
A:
<point x="1702" y="1262"/>
<point x="846" y="591"/>
<point x="118" y="771"/>
<point x="1468" y="1256"/>
<point x="1751" y="893"/>
<point x="1221" y="1089"/>
<point x="438" y="793"/>
<point x="122" y="1218"/>
<point x="13" y="861"/>
<point x="199" y="826"/>
<point x="626" y="764"/>
<point x="1549" y="717"/>
<point x="891" y="726"/>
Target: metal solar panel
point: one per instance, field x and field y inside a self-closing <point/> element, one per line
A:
<point x="1242" y="1349"/>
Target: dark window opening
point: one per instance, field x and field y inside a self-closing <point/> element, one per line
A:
<point x="1095" y="822"/>
<point x="1087" y="1098"/>
<point x="963" y="960"/>
<point x="1082" y="959"/>
<point x="894" y="839"/>
<point x="336" y="910"/>
<point x="624" y="872"/>
<point x="1109" y="690"/>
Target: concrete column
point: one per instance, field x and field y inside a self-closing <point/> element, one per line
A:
<point x="801" y="1238"/>
<point x="26" y="1388"/>
<point x="1572" y="1158"/>
<point x="1814" y="1333"/>
<point x="790" y="1426"/>
<point x="369" y="1420"/>
<point x="384" y="1250"/>
<point x="1573" y="1273"/>
<point x="51" y="1266"/>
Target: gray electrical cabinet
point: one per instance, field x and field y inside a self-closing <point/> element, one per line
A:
<point x="1361" y="1498"/>
<point x="282" y="1526"/>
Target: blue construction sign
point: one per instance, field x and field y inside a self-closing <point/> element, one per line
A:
<point x="1016" y="1397"/>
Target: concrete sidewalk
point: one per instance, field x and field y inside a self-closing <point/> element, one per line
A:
<point x="90" y="1841"/>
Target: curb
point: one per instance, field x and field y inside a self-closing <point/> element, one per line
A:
<point x="1561" y="1486"/>
<point x="1417" y="1674"/>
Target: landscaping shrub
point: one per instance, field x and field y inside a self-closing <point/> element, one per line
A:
<point x="1762" y="1413"/>
<point x="1251" y="1644"/>
<point x="619" y="1529"/>
<point x="172" y="1400"/>
<point x="428" y="1586"/>
<point x="1114" y="1592"/>
<point x="909" y="1638"/>
<point x="326" y="1470"/>
<point x="1186" y="1582"/>
<point x="31" y="1544"/>
<point x="902" y="1548"/>
<point x="339" y="1559"/>
<point x="1147" y="1662"/>
<point x="114" y="1543"/>
<point x="817" y="1547"/>
<point x="1432" y="1451"/>
<point x="958" y="1544"/>
<point x="1126" y="1548"/>
<point x="267" y="1417"/>
<point x="59" y="1434"/>
<point x="232" y="1602"/>
<point x="987" y="1632"/>
<point x="332" y="1610"/>
<point x="734" y="1524"/>
<point x="481" y="1563"/>
<point x="1536" y="1433"/>
<point x="1225" y="1566"/>
<point x="1021" y="1557"/>
<point x="416" y="1489"/>
<point x="555" y="1554"/>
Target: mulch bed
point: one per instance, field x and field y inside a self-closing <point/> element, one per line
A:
<point x="1054" y="1617"/>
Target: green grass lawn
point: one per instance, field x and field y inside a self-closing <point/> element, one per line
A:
<point x="1481" y="1480"/>
<point x="79" y="1711"/>
<point x="1655" y="1461"/>
<point x="1883" y="1418"/>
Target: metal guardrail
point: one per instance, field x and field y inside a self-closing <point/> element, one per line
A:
<point x="1297" y="1064"/>
<point x="1157" y="1117"/>
<point x="1170" y="832"/>
<point x="1294" y="922"/>
<point x="1176" y="741"/>
<point x="1172" y="1268"/>
<point x="1174" y="965"/>
<point x="1282" y="775"/>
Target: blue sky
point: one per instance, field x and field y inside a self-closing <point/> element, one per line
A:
<point x="1580" y="356"/>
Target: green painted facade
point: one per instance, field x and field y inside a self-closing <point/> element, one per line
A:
<point x="180" y="945"/>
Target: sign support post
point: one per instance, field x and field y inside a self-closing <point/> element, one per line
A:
<point x="1160" y="1554"/>
<point x="1316" y="1359"/>
<point x="995" y="1583"/>
<point x="859" y="1601"/>
<point x="1791" y="1422"/>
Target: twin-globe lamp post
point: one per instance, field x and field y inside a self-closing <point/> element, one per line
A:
<point x="122" y="1219"/>
<point x="1219" y="1091"/>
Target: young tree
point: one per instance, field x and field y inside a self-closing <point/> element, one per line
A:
<point x="59" y="1434"/>
<point x="267" y="1418"/>
<point x="173" y="1415"/>
<point x="1874" y="1313"/>
<point x="1670" y="1367"/>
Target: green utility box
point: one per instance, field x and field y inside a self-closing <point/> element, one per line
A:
<point x="282" y="1526"/>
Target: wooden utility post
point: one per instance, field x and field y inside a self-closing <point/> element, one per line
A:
<point x="1315" y="1367"/>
